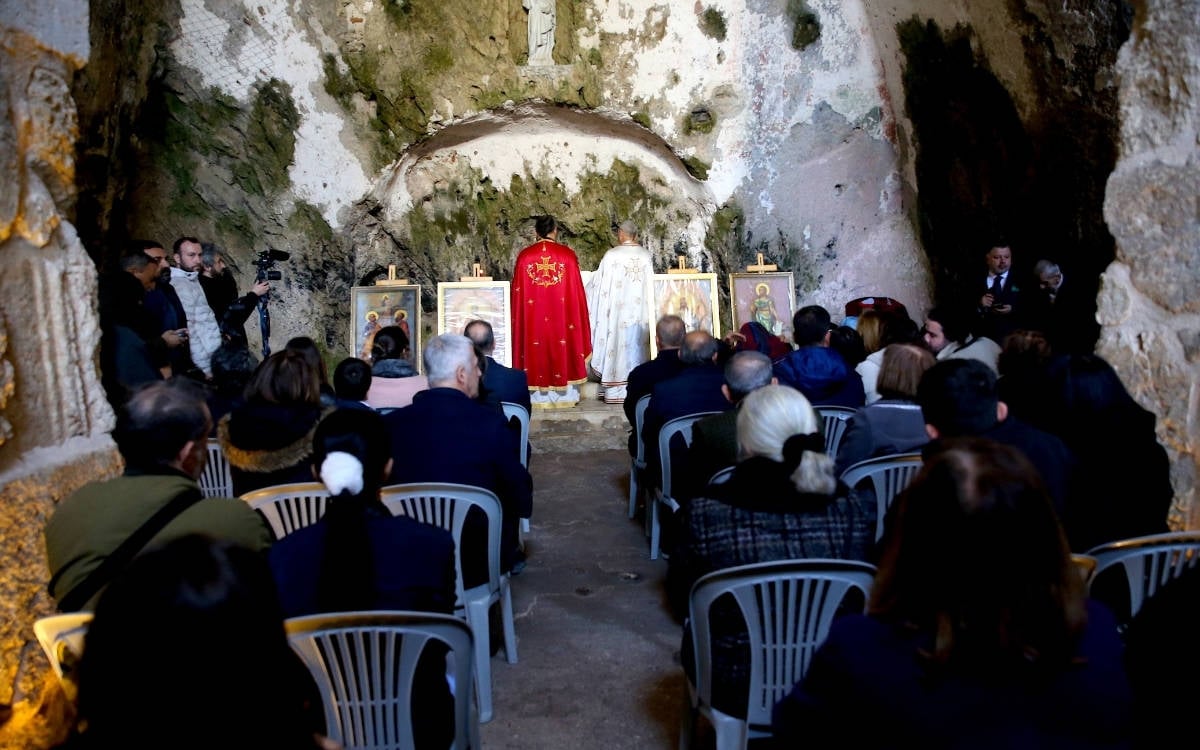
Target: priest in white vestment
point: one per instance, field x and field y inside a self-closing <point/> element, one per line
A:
<point x="618" y="298"/>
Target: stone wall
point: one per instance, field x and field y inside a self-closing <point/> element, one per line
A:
<point x="1149" y="306"/>
<point x="54" y="419"/>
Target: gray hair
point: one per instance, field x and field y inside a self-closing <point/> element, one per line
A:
<point x="670" y="330"/>
<point x="1045" y="268"/>
<point x="209" y="253"/>
<point x="698" y="347"/>
<point x="747" y="371"/>
<point x="765" y="421"/>
<point x="443" y="356"/>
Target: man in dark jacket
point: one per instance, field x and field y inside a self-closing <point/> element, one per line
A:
<point x="668" y="337"/>
<point x="445" y="435"/>
<point x="814" y="369"/>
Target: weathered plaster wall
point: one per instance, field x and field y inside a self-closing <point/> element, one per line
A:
<point x="54" y="418"/>
<point x="1149" y="308"/>
<point x="755" y="143"/>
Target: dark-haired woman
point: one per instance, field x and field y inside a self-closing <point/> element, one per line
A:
<point x="977" y="635"/>
<point x="359" y="556"/>
<point x="394" y="380"/>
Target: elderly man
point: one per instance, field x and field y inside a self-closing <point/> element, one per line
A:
<point x="204" y="334"/>
<point x="618" y="294"/>
<point x="445" y="435"/>
<point x="1065" y="312"/>
<point x="714" y="439"/>
<point x="162" y="434"/>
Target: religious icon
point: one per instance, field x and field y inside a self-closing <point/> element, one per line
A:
<point x="460" y="302"/>
<point x="374" y="307"/>
<point x="691" y="296"/>
<point x="766" y="298"/>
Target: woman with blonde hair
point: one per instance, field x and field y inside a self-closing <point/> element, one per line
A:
<point x="782" y="502"/>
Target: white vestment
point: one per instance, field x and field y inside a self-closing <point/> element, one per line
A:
<point x="618" y="298"/>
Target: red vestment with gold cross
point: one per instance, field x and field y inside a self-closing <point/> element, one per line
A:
<point x="552" y="338"/>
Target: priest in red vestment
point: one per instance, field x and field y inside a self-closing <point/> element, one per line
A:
<point x="552" y="338"/>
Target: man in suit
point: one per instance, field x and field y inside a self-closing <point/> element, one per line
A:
<point x="697" y="388"/>
<point x="999" y="302"/>
<point x="445" y="435"/>
<point x="500" y="383"/>
<point x="714" y="439"/>
<point x="1065" y="312"/>
<point x="668" y="337"/>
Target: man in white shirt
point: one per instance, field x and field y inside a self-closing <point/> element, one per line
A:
<point x="997" y="304"/>
<point x="204" y="334"/>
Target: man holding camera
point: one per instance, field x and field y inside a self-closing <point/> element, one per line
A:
<point x="220" y="288"/>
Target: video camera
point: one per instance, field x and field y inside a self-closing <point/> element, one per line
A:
<point x="266" y="261"/>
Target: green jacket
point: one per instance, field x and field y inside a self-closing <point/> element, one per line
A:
<point x="98" y="517"/>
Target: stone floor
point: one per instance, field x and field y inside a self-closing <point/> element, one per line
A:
<point x="599" y="664"/>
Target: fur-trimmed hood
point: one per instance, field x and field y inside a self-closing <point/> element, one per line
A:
<point x="268" y="437"/>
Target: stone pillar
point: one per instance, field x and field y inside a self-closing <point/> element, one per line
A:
<point x="54" y="419"/>
<point x="1149" y="302"/>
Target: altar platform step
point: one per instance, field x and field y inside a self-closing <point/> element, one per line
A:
<point x="591" y="425"/>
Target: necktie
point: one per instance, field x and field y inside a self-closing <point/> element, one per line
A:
<point x="996" y="284"/>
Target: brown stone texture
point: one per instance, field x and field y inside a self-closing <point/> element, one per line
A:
<point x="1148" y="303"/>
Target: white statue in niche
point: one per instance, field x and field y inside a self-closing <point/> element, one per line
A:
<point x="541" y="31"/>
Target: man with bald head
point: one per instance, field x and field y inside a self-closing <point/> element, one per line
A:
<point x="697" y="388"/>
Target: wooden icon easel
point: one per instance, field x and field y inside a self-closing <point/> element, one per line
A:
<point x="682" y="266"/>
<point x="477" y="275"/>
<point x="391" y="279"/>
<point x="761" y="267"/>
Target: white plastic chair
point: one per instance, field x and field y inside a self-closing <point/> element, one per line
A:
<point x="681" y="426"/>
<point x="1149" y="562"/>
<point x="722" y="476"/>
<point x="288" y="507"/>
<point x="834" y="419"/>
<point x="61" y="637"/>
<point x="364" y="663"/>
<point x="516" y="411"/>
<point x="216" y="479"/>
<point x="445" y="505"/>
<point x="788" y="607"/>
<point x="638" y="464"/>
<point x="888" y="475"/>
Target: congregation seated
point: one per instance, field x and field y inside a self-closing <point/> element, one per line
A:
<point x="697" y="388"/>
<point x="668" y="337"/>
<point x="958" y="398"/>
<point x="359" y="556"/>
<point x="232" y="367"/>
<point x="162" y="434"/>
<point x="308" y="348"/>
<point x="815" y="369"/>
<point x="782" y="502"/>
<point x="1124" y="489"/>
<point x="187" y="650"/>
<point x="351" y="382"/>
<point x="893" y="328"/>
<point x="948" y="334"/>
<point x="394" y="379"/>
<point x="977" y="632"/>
<point x="1022" y="366"/>
<point x="445" y="435"/>
<point x="893" y="424"/>
<point x="268" y="439"/>
<point x="714" y="438"/>
<point x="500" y="383"/>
